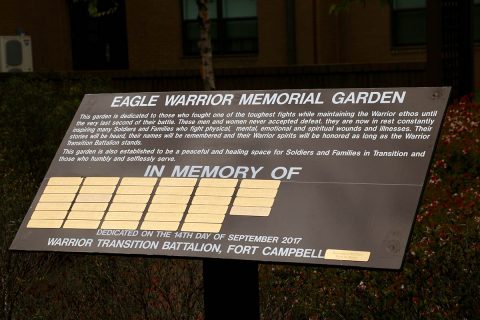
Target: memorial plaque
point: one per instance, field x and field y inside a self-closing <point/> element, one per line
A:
<point x="328" y="177"/>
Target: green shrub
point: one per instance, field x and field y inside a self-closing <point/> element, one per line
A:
<point x="440" y="278"/>
<point x="35" y="112"/>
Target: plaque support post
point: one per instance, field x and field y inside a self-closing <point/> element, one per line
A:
<point x="230" y="285"/>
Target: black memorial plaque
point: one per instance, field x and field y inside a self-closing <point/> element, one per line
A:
<point x="328" y="177"/>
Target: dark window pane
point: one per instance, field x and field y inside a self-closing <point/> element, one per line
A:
<point x="214" y="35"/>
<point x="191" y="35"/>
<point x="409" y="27"/>
<point x="98" y="42"/>
<point x="241" y="36"/>
<point x="239" y="8"/>
<point x="229" y="35"/>
<point x="409" y="4"/>
<point x="190" y="9"/>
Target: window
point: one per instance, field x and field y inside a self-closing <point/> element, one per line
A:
<point x="98" y="43"/>
<point x="233" y="26"/>
<point x="409" y="22"/>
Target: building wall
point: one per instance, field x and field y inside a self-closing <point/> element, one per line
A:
<point x="320" y="37"/>
<point x="153" y="35"/>
<point x="47" y="23"/>
<point x="154" y="31"/>
<point x="360" y="34"/>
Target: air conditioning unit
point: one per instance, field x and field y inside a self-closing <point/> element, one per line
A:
<point x="16" y="54"/>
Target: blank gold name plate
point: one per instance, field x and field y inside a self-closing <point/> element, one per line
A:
<point x="168" y="204"/>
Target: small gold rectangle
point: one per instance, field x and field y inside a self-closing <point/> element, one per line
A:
<point x="250" y="211"/>
<point x="253" y="202"/>
<point x="347" y="255"/>
<point x="88" y="215"/>
<point x="123" y="215"/>
<point x="139" y="181"/>
<point x="81" y="224"/>
<point x="53" y="206"/>
<point x="61" y="189"/>
<point x="154" y="225"/>
<point x="93" y="197"/>
<point x="201" y="227"/>
<point x="208" y="218"/>
<point x="204" y="208"/>
<point x="167" y="207"/>
<point x="213" y="191"/>
<point x="121" y="206"/>
<point x="97" y="189"/>
<point x="131" y="198"/>
<point x="211" y="200"/>
<point x="216" y="182"/>
<point x="163" y="216"/>
<point x="65" y="181"/>
<point x="260" y="184"/>
<point x="170" y="198"/>
<point x="254" y="193"/>
<point x="125" y="225"/>
<point x="101" y="181"/>
<point x="89" y="206"/>
<point x="178" y="182"/>
<point x="49" y="214"/>
<point x="57" y="197"/>
<point x="134" y="189"/>
<point x="175" y="190"/>
<point x="47" y="224"/>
